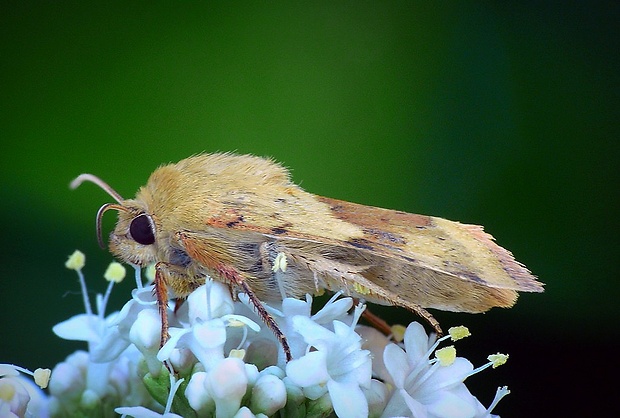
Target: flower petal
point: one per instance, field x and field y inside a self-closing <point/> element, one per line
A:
<point x="449" y="405"/>
<point x="82" y="327"/>
<point x="450" y="376"/>
<point x="142" y="412"/>
<point x="308" y="370"/>
<point x="209" y="301"/>
<point x="416" y="343"/>
<point x="313" y="333"/>
<point x="112" y="345"/>
<point x="348" y="400"/>
<point x="175" y="335"/>
<point x="333" y="311"/>
<point x="395" y="360"/>
<point x="227" y="383"/>
<point x="292" y="307"/>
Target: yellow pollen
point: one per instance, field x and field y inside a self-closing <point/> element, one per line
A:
<point x="76" y="261"/>
<point x="42" y="377"/>
<point x="115" y="272"/>
<point x="279" y="263"/>
<point x="150" y="273"/>
<point x="240" y="354"/>
<point x="235" y="323"/>
<point x="446" y="355"/>
<point x="457" y="333"/>
<point x="360" y="289"/>
<point x="398" y="332"/>
<point x="498" y="359"/>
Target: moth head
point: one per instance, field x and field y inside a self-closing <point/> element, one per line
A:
<point x="135" y="235"/>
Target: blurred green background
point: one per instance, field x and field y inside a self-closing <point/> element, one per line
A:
<point x="493" y="113"/>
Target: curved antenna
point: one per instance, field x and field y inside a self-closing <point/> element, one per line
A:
<point x="94" y="179"/>
<point x="100" y="213"/>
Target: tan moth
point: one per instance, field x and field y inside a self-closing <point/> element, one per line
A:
<point x="240" y="220"/>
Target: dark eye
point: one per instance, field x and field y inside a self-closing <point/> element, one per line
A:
<point x="141" y="230"/>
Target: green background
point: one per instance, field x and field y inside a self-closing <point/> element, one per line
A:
<point x="491" y="113"/>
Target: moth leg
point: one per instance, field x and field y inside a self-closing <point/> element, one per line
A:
<point x="268" y="320"/>
<point x="359" y="286"/>
<point x="382" y="326"/>
<point x="426" y="315"/>
<point x="231" y="275"/>
<point x="377" y="322"/>
<point x="163" y="273"/>
<point x="421" y="312"/>
<point x="161" y="292"/>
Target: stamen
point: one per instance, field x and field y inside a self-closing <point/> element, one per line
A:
<point x="357" y="314"/>
<point x="138" y="275"/>
<point x="498" y="359"/>
<point x="115" y="272"/>
<point x="457" y="333"/>
<point x="237" y="353"/>
<point x="76" y="261"/>
<point x="495" y="360"/>
<point x="501" y="392"/>
<point x="42" y="377"/>
<point x="398" y="332"/>
<point x="446" y="355"/>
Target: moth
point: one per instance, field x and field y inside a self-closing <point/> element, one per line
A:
<point x="241" y="220"/>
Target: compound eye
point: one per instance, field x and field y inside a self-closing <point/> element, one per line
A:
<point x="141" y="230"/>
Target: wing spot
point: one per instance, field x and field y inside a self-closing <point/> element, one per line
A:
<point x="235" y="222"/>
<point x="360" y="243"/>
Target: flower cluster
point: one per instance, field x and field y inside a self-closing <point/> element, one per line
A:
<point x="225" y="363"/>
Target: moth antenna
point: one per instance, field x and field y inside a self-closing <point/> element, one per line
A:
<point x="100" y="213"/>
<point x="94" y="179"/>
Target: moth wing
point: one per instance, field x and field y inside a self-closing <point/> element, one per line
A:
<point x="385" y="256"/>
<point x="408" y="259"/>
<point x="451" y="247"/>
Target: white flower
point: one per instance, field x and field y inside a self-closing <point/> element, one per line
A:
<point x="145" y="334"/>
<point x="69" y="377"/>
<point x="19" y="396"/>
<point x="338" y="366"/>
<point x="227" y="384"/>
<point x="220" y="389"/>
<point x="86" y="381"/>
<point x="105" y="342"/>
<point x="211" y="300"/>
<point x="198" y="396"/>
<point x="335" y="309"/>
<point x="206" y="336"/>
<point x="430" y="388"/>
<point x="117" y="336"/>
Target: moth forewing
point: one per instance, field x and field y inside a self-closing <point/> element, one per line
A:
<point x="436" y="248"/>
